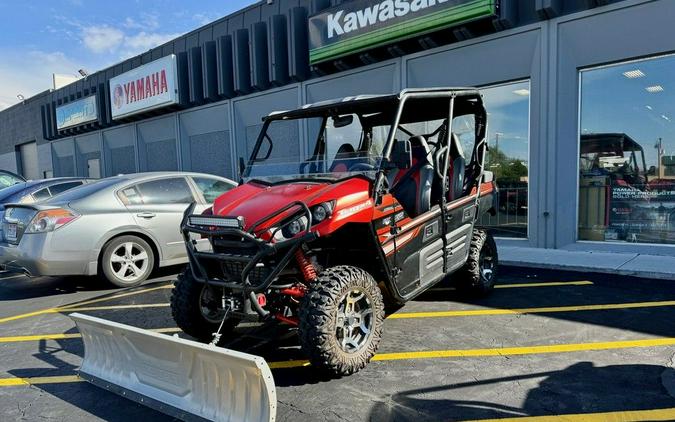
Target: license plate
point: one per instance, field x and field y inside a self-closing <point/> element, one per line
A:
<point x="10" y="233"/>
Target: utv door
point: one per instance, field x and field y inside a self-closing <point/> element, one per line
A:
<point x="413" y="246"/>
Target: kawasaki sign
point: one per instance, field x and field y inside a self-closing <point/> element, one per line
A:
<point x="363" y="24"/>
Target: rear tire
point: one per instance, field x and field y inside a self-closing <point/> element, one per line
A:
<point x="194" y="310"/>
<point x="127" y="261"/>
<point x="341" y="319"/>
<point x="478" y="276"/>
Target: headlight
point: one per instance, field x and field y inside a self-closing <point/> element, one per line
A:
<point x="50" y="220"/>
<point x="321" y="212"/>
<point x="294" y="227"/>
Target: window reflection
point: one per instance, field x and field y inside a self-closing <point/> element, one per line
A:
<point x="627" y="153"/>
<point x="508" y="108"/>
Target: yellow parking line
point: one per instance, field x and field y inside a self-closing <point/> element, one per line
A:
<point x="11" y="382"/>
<point x="403" y="315"/>
<point x="623" y="416"/>
<point x="546" y="284"/>
<point x="62" y="336"/>
<point x="428" y="354"/>
<point x="81" y="304"/>
<point x="520" y="285"/>
<point x="117" y="296"/>
<point x="552" y="309"/>
<point x="113" y="307"/>
<point x="504" y="351"/>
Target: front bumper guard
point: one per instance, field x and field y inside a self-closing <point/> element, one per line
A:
<point x="238" y="238"/>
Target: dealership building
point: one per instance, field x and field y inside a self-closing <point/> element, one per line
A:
<point x="580" y="96"/>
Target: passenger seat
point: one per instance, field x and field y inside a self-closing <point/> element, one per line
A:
<point x="412" y="188"/>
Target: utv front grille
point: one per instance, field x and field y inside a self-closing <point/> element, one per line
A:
<point x="232" y="270"/>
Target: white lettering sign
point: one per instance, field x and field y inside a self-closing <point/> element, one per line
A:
<point x="147" y="87"/>
<point x="339" y="23"/>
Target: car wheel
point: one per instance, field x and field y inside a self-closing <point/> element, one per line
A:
<point x="196" y="308"/>
<point x="127" y="261"/>
<point x="341" y="320"/>
<point x="478" y="276"/>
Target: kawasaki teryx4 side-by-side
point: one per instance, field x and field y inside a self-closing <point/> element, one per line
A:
<point x="378" y="203"/>
<point x="376" y="207"/>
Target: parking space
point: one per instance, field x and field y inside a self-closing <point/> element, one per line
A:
<point x="544" y="344"/>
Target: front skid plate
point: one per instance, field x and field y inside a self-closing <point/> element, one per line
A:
<point x="182" y="378"/>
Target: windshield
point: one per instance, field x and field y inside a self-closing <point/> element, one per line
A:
<point x="9" y="179"/>
<point x="339" y="146"/>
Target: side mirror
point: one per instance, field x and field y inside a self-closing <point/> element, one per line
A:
<point x="401" y="155"/>
<point x="651" y="171"/>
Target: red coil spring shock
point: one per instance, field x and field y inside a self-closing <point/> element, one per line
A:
<point x="308" y="270"/>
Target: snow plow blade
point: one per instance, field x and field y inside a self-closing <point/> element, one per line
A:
<point x="188" y="380"/>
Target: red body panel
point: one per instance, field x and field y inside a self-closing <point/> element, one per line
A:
<point x="254" y="201"/>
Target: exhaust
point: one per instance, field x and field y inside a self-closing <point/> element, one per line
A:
<point x="185" y="379"/>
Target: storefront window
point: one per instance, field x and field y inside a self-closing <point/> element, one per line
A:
<point x="508" y="108"/>
<point x="627" y="152"/>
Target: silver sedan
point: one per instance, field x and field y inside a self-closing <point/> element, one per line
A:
<point x="121" y="227"/>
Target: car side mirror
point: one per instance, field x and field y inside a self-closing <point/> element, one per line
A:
<point x="401" y="155"/>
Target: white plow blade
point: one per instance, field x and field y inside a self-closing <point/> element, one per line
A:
<point x="182" y="378"/>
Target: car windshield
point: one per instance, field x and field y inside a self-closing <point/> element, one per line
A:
<point x="8" y="179"/>
<point x="341" y="145"/>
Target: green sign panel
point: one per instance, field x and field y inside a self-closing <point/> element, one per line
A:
<point x="360" y="25"/>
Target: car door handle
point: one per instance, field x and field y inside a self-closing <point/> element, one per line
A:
<point x="146" y="215"/>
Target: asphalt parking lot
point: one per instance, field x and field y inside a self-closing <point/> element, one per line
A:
<point x="545" y="345"/>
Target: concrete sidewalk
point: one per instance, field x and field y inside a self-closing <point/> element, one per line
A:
<point x="632" y="264"/>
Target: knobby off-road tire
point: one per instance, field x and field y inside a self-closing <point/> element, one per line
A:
<point x="324" y="314"/>
<point x="188" y="311"/>
<point x="478" y="276"/>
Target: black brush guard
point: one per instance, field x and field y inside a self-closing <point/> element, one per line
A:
<point x="252" y="250"/>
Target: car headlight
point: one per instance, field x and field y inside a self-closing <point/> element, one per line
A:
<point x="50" y="220"/>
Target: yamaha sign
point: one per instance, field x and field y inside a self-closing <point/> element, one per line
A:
<point x="364" y="24"/>
<point x="145" y="88"/>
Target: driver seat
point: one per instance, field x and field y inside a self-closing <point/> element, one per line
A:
<point x="341" y="161"/>
<point x="413" y="188"/>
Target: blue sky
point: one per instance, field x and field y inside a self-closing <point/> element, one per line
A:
<point x="41" y="37"/>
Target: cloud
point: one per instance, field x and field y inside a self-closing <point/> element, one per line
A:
<point x="102" y="39"/>
<point x="147" y="22"/>
<point x="144" y="41"/>
<point x="16" y="80"/>
<point x="204" y="18"/>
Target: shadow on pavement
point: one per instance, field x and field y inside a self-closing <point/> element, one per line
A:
<point x="580" y="388"/>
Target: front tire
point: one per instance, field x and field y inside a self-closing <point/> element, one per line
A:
<point x="127" y="261"/>
<point x="341" y="320"/>
<point x="478" y="276"/>
<point x="196" y="308"/>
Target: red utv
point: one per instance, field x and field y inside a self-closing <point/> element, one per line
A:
<point x="380" y="207"/>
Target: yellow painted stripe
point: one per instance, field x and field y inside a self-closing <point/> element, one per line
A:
<point x="521" y="285"/>
<point x="552" y="309"/>
<point x="117" y="296"/>
<point x="78" y="306"/>
<point x="10" y="382"/>
<point x="113" y="307"/>
<point x="428" y="354"/>
<point x="623" y="416"/>
<point x="29" y="314"/>
<point x="547" y="284"/>
<point x="403" y="315"/>
<point x="504" y="351"/>
<point x="38" y="337"/>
